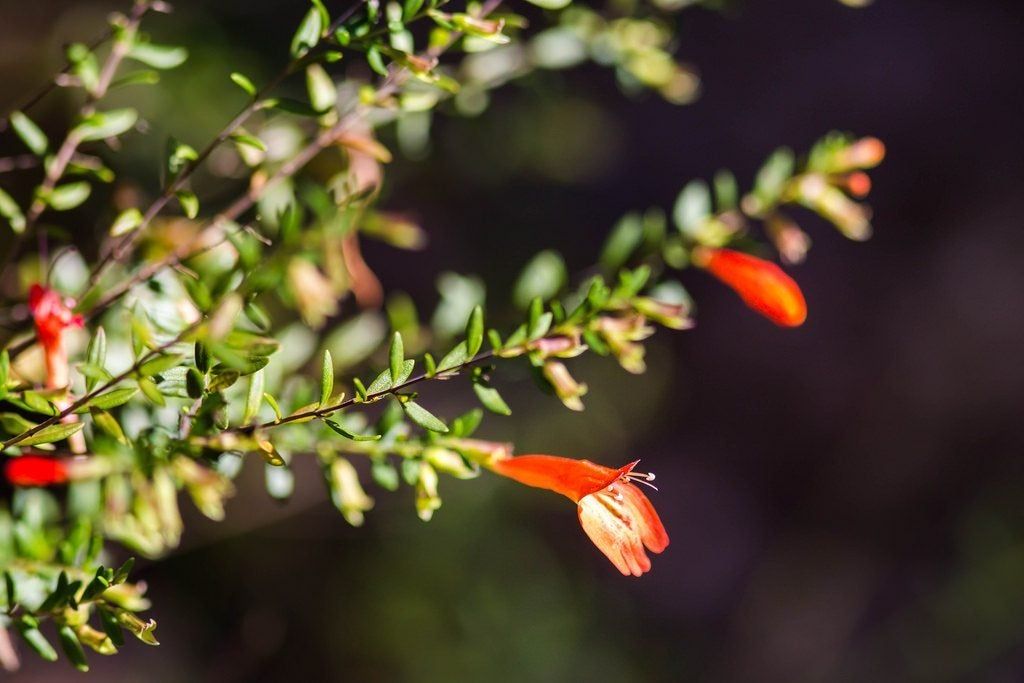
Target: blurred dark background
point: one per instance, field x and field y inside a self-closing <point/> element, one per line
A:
<point x="845" y="501"/>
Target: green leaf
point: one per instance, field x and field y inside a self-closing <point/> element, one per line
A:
<point x="474" y="331"/>
<point x="159" y="364"/>
<point x="158" y="56"/>
<point x="376" y="62"/>
<point x="10" y="210"/>
<point x="28" y="628"/>
<point x="195" y="383"/>
<point x="349" y="435"/>
<point x="5" y="371"/>
<point x="243" y="82"/>
<point x="111" y="399"/>
<point x="308" y="33"/>
<point x="248" y="141"/>
<point x="396" y="355"/>
<point x="179" y="155"/>
<point x="693" y="207"/>
<point x="127" y="221"/>
<point x="55" y="432"/>
<point x="38" y="403"/>
<point x="253" y="397"/>
<point x="772" y="176"/>
<point x="69" y="195"/>
<point x="326" y="378"/>
<point x="464" y="425"/>
<point x="145" y="77"/>
<point x="456" y="357"/>
<point x="272" y="402"/>
<point x="385" y="474"/>
<point x="122" y="573"/>
<point x="202" y="357"/>
<point x="33" y="137"/>
<point x="423" y="417"/>
<point x="323" y="94"/>
<point x="491" y="399"/>
<point x="72" y="648"/>
<point x="625" y="238"/>
<point x="727" y="193"/>
<point x="542" y="277"/>
<point x="383" y="381"/>
<point x="189" y="202"/>
<point x="101" y="125"/>
<point x="550" y="4"/>
<point x="361" y="392"/>
<point x="111" y="627"/>
<point x="107" y="423"/>
<point x="151" y="391"/>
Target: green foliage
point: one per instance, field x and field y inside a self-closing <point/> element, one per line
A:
<point x="207" y="351"/>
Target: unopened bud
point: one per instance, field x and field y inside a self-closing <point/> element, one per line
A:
<point x="790" y="241"/>
<point x="427" y="499"/>
<point x="450" y="462"/>
<point x="566" y="387"/>
<point x="347" y="492"/>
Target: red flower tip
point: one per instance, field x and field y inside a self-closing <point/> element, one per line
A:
<point x="761" y="284"/>
<point x="858" y="183"/>
<point x="51" y="313"/>
<point x="34" y="470"/>
<point x="613" y="511"/>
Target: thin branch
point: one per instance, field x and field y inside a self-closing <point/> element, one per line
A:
<point x="19" y="163"/>
<point x="370" y="398"/>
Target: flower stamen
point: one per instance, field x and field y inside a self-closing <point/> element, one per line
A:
<point x="644" y="478"/>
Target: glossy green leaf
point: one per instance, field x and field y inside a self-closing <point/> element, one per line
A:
<point x="72" y="648"/>
<point x="101" y="125"/>
<point x="349" y="435"/>
<point x="542" y="277"/>
<point x="491" y="399"/>
<point x="158" y="56"/>
<point x="243" y="82"/>
<point x="68" y="196"/>
<point x="10" y="210"/>
<point x="326" y="378"/>
<point x="308" y="33"/>
<point x="396" y="355"/>
<point x="475" y="331"/>
<point x="423" y="417"/>
<point x="189" y="202"/>
<point x="127" y="221"/>
<point x="55" y="432"/>
<point x="111" y="399"/>
<point x="26" y="129"/>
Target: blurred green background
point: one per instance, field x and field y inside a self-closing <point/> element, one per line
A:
<point x="844" y="500"/>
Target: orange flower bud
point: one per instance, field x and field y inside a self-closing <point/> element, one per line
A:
<point x="858" y="184"/>
<point x="34" y="470"/>
<point x="761" y="284"/>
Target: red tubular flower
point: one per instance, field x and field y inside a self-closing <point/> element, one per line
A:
<point x="614" y="512"/>
<point x="761" y="284"/>
<point x="52" y="316"/>
<point x="34" y="470"/>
